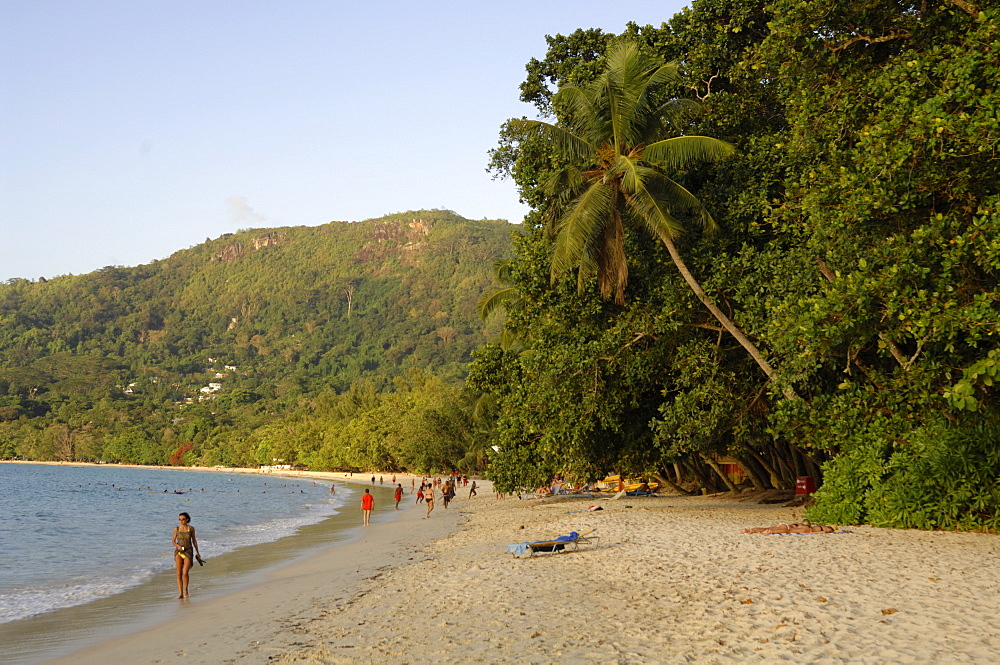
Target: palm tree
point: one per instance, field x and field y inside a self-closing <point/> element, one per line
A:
<point x="614" y="161"/>
<point x="501" y="299"/>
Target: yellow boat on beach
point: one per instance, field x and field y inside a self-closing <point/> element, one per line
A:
<point x="614" y="484"/>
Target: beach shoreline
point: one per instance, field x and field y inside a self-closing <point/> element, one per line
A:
<point x="77" y="627"/>
<point x="343" y="476"/>
<point x="672" y="580"/>
<point x="243" y="623"/>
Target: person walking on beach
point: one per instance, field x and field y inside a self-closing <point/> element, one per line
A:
<point x="185" y="552"/>
<point x="429" y="500"/>
<point x="399" y="494"/>
<point x="472" y="490"/>
<point x="420" y="493"/>
<point x="367" y="503"/>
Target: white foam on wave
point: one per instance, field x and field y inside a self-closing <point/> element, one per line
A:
<point x="267" y="532"/>
<point x="23" y="603"/>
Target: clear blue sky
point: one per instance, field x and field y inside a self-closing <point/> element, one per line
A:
<point x="132" y="129"/>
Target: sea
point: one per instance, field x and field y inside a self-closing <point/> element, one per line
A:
<point x="93" y="537"/>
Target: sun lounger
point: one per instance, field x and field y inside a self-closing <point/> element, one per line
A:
<point x="556" y="545"/>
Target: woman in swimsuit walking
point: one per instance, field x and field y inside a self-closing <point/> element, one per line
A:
<point x="429" y="500"/>
<point x="185" y="552"/>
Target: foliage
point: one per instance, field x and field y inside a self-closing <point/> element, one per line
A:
<point x="110" y="365"/>
<point x="858" y="248"/>
<point x="891" y="196"/>
<point x="577" y="396"/>
<point x="941" y="477"/>
<point x="615" y="146"/>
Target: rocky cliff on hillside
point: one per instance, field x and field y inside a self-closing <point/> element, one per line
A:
<point x="238" y="249"/>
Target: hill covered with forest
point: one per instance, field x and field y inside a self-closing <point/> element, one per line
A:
<point x="256" y="323"/>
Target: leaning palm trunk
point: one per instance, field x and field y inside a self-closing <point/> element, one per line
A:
<point x="726" y="322"/>
<point x="755" y="478"/>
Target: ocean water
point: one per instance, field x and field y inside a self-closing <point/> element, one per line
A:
<point x="76" y="535"/>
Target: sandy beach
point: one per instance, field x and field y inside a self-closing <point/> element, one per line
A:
<point x="672" y="580"/>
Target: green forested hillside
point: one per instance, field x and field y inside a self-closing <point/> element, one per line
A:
<point x="275" y="317"/>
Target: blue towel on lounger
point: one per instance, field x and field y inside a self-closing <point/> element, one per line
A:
<point x="520" y="548"/>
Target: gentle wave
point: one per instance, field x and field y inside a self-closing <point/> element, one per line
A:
<point x="267" y="532"/>
<point x="24" y="603"/>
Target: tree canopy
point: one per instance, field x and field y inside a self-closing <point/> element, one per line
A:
<point x="857" y="245"/>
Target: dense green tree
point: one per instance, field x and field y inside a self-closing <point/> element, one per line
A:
<point x="890" y="229"/>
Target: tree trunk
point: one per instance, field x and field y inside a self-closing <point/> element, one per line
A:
<point x="777" y="482"/>
<point x="722" y="474"/>
<point x="812" y="466"/>
<point x="664" y="480"/>
<point x="800" y="467"/>
<point x="758" y="482"/>
<point x="787" y="477"/>
<point x="750" y="347"/>
<point x="678" y="473"/>
<point x="762" y="473"/>
<point x="697" y="473"/>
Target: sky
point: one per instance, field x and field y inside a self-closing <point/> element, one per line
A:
<point x="132" y="129"/>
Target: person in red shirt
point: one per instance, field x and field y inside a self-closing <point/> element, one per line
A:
<point x="367" y="503"/>
<point x="399" y="494"/>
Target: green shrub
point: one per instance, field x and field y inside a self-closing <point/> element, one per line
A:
<point x="939" y="477"/>
<point x="847" y="480"/>
<point x="942" y="478"/>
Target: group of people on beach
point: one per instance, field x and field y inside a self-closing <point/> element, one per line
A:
<point x="428" y="487"/>
<point x="426" y="493"/>
<point x="185" y="543"/>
